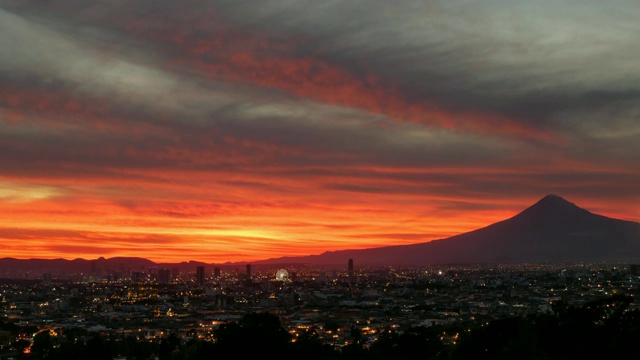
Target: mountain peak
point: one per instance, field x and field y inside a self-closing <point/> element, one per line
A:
<point x="551" y="230"/>
<point x="552" y="206"/>
<point x="553" y="197"/>
<point x="553" y="200"/>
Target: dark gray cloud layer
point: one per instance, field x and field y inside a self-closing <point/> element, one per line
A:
<point x="128" y="85"/>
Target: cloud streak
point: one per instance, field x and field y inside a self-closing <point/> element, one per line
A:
<point x="235" y="132"/>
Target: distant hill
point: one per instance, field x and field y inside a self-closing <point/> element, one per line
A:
<point x="75" y="265"/>
<point x="550" y="231"/>
<point x="96" y="266"/>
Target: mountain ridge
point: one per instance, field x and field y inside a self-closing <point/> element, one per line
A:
<point x="529" y="236"/>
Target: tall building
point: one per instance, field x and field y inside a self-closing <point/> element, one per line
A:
<point x="199" y="275"/>
<point x="350" y="268"/>
<point x="216" y="272"/>
<point x="164" y="275"/>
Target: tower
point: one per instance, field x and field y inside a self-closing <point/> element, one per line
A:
<point x="199" y="275"/>
<point x="248" y="271"/>
<point x="350" y="268"/>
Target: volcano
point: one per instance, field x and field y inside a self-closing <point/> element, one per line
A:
<point x="553" y="230"/>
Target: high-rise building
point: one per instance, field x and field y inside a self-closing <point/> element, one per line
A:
<point x="248" y="271"/>
<point x="216" y="272"/>
<point x="164" y="275"/>
<point x="199" y="275"/>
<point x="350" y="268"/>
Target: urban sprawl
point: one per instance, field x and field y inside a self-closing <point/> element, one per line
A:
<point x="152" y="304"/>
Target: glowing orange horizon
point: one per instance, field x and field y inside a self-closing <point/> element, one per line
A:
<point x="42" y="223"/>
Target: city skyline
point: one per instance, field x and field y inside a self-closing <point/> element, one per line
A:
<point x="222" y="131"/>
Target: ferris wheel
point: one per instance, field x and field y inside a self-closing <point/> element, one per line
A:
<point x="282" y="275"/>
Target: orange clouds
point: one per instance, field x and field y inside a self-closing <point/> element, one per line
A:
<point x="220" y="216"/>
<point x="203" y="135"/>
<point x="217" y="223"/>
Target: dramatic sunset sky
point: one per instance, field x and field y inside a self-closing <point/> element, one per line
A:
<point x="245" y="130"/>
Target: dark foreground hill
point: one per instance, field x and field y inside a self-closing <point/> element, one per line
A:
<point x="552" y="230"/>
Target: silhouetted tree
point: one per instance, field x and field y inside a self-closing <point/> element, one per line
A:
<point x="42" y="344"/>
<point x="197" y="349"/>
<point x="70" y="350"/>
<point x="167" y="345"/>
<point x="11" y="327"/>
<point x="386" y="346"/>
<point x="331" y="326"/>
<point x="604" y="328"/>
<point x="308" y="345"/>
<point x="355" y="349"/>
<point x="420" y="342"/>
<point x="99" y="348"/>
<point x="263" y="331"/>
<point x="20" y="345"/>
<point x="510" y="338"/>
<point x="416" y="342"/>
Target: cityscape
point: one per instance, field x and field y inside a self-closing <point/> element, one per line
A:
<point x="158" y="305"/>
<point x="364" y="179"/>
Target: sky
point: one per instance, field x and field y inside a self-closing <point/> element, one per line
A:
<point x="231" y="131"/>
